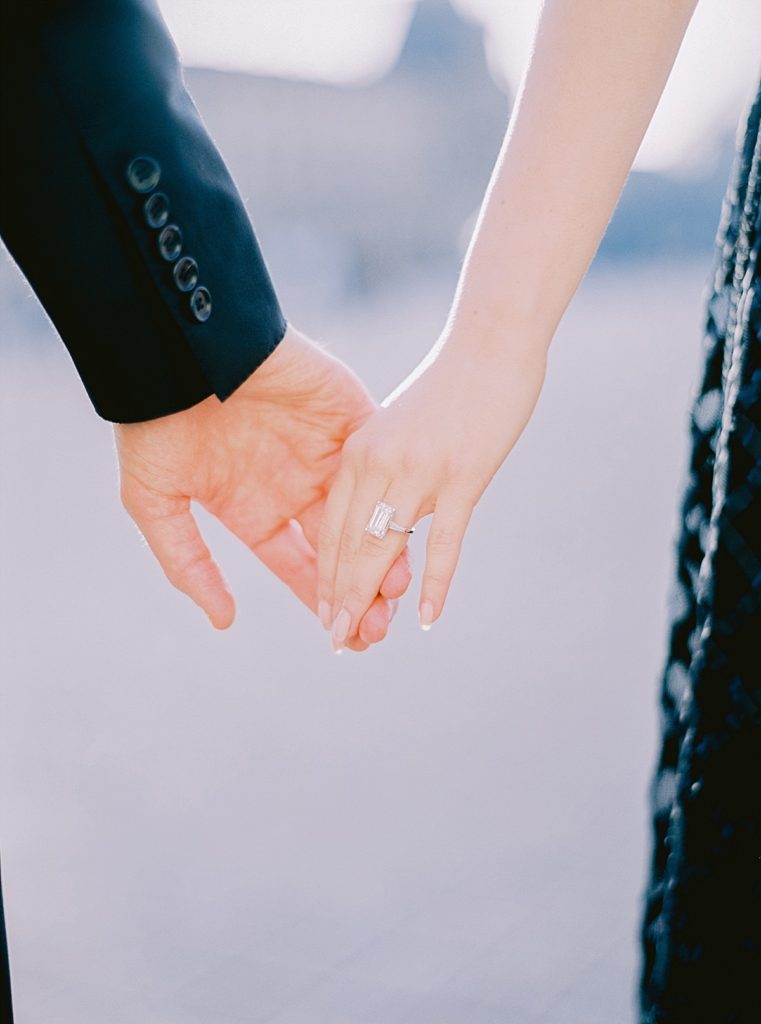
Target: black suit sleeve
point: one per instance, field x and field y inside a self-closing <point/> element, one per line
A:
<point x="121" y="213"/>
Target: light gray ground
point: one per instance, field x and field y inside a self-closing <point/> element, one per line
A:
<point x="452" y="829"/>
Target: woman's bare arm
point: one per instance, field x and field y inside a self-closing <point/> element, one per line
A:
<point x="592" y="84"/>
<point x="596" y="73"/>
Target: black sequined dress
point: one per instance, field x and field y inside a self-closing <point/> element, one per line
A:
<point x="702" y="925"/>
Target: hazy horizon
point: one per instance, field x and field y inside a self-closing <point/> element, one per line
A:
<point x="354" y="41"/>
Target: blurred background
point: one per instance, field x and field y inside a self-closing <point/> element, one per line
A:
<point x="453" y="828"/>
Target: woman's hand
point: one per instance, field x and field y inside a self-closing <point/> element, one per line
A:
<point x="433" y="448"/>
<point x="595" y="75"/>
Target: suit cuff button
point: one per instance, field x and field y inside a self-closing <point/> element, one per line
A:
<point x="143" y="174"/>
<point x="200" y="304"/>
<point x="185" y="274"/>
<point x="170" y="243"/>
<point x="156" y="210"/>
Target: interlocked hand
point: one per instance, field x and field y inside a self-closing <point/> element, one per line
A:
<point x="262" y="462"/>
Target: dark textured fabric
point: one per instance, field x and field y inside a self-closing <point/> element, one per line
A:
<point x="6" y="1011"/>
<point x="702" y="926"/>
<point x="85" y="87"/>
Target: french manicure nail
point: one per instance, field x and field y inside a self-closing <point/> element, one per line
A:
<point x="325" y="614"/>
<point x="426" y="615"/>
<point x="341" y="630"/>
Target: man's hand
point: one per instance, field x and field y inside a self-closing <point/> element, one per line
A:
<point x="262" y="462"/>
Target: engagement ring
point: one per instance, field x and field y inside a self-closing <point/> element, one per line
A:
<point x="382" y="520"/>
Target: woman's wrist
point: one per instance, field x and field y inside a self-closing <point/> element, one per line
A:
<point x="495" y="347"/>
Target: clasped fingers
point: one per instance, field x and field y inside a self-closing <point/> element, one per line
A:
<point x="376" y="501"/>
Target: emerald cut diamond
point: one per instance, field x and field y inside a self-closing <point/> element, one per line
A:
<point x="380" y="520"/>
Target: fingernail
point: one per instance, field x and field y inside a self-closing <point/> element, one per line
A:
<point x="341" y="630"/>
<point x="426" y="615"/>
<point x="325" y="614"/>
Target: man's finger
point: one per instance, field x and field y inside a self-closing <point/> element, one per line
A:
<point x="173" y="536"/>
<point x="310" y="520"/>
<point x="374" y="625"/>
<point x="290" y="556"/>
<point x="398" y="577"/>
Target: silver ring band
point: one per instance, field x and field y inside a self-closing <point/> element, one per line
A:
<point x="401" y="529"/>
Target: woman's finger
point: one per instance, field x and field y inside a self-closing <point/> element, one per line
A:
<point x="329" y="541"/>
<point x="375" y="625"/>
<point x="367" y="492"/>
<point x="450" y="520"/>
<point x="399" y="576"/>
<point x="369" y="557"/>
<point x="289" y="554"/>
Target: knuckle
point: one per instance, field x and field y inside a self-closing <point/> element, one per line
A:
<point x="349" y="551"/>
<point x="378" y="458"/>
<point x="325" y="585"/>
<point x="180" y="569"/>
<point x="356" y="598"/>
<point x="443" y="539"/>
<point x="328" y="537"/>
<point x="411" y="462"/>
<point x="375" y="548"/>
<point x="458" y="465"/>
<point x="456" y="472"/>
<point x="436" y="580"/>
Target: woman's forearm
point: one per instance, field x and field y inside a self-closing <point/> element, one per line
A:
<point x="594" y="79"/>
<point x="596" y="73"/>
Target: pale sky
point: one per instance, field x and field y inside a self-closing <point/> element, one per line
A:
<point x="353" y="41"/>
